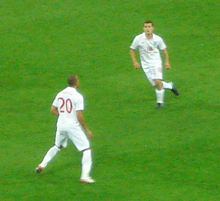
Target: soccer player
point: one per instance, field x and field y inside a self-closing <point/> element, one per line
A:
<point x="68" y="105"/>
<point x="149" y="46"/>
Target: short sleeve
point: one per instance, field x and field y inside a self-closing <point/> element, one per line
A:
<point x="56" y="102"/>
<point x="134" y="44"/>
<point x="161" y="44"/>
<point x="79" y="103"/>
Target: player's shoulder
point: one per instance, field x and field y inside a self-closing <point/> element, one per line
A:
<point x="157" y="37"/>
<point x="68" y="91"/>
<point x="140" y="36"/>
<point x="65" y="90"/>
<point x="79" y="94"/>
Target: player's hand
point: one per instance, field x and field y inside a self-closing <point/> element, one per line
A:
<point x="167" y="66"/>
<point x="136" y="65"/>
<point x="89" y="133"/>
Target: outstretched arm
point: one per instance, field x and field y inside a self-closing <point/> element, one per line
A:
<point x="81" y="120"/>
<point x="166" y="56"/>
<point x="134" y="60"/>
<point x="53" y="110"/>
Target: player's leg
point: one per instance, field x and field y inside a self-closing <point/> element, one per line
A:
<point x="47" y="158"/>
<point x="157" y="78"/>
<point x="86" y="166"/>
<point x="79" y="139"/>
<point x="170" y="86"/>
<point x="167" y="85"/>
<point x="159" y="93"/>
<point x="158" y="84"/>
<point x="154" y="75"/>
<point x="60" y="142"/>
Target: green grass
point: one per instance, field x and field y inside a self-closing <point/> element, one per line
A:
<point x="139" y="153"/>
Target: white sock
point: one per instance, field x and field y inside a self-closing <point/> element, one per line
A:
<point x="160" y="95"/>
<point x="167" y="85"/>
<point x="49" y="156"/>
<point x="86" y="163"/>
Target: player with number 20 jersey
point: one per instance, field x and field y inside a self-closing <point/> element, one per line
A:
<point x="68" y="102"/>
<point x="68" y="106"/>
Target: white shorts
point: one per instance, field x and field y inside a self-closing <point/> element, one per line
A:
<point x="153" y="72"/>
<point x="76" y="135"/>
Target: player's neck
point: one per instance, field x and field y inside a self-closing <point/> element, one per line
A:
<point x="74" y="86"/>
<point x="149" y="36"/>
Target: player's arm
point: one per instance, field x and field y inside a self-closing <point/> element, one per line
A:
<point x="81" y="120"/>
<point x="166" y="57"/>
<point x="53" y="110"/>
<point x="134" y="60"/>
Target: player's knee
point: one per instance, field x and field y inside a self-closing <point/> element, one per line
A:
<point x="158" y="84"/>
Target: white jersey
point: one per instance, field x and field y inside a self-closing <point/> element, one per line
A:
<point x="68" y="101"/>
<point x="148" y="49"/>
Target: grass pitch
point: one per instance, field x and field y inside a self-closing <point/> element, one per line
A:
<point x="139" y="153"/>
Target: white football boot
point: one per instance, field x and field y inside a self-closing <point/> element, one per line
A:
<point x="87" y="180"/>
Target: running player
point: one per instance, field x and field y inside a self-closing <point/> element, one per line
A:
<point x="149" y="46"/>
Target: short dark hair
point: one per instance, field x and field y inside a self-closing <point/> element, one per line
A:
<point x="72" y="80"/>
<point x="149" y="22"/>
